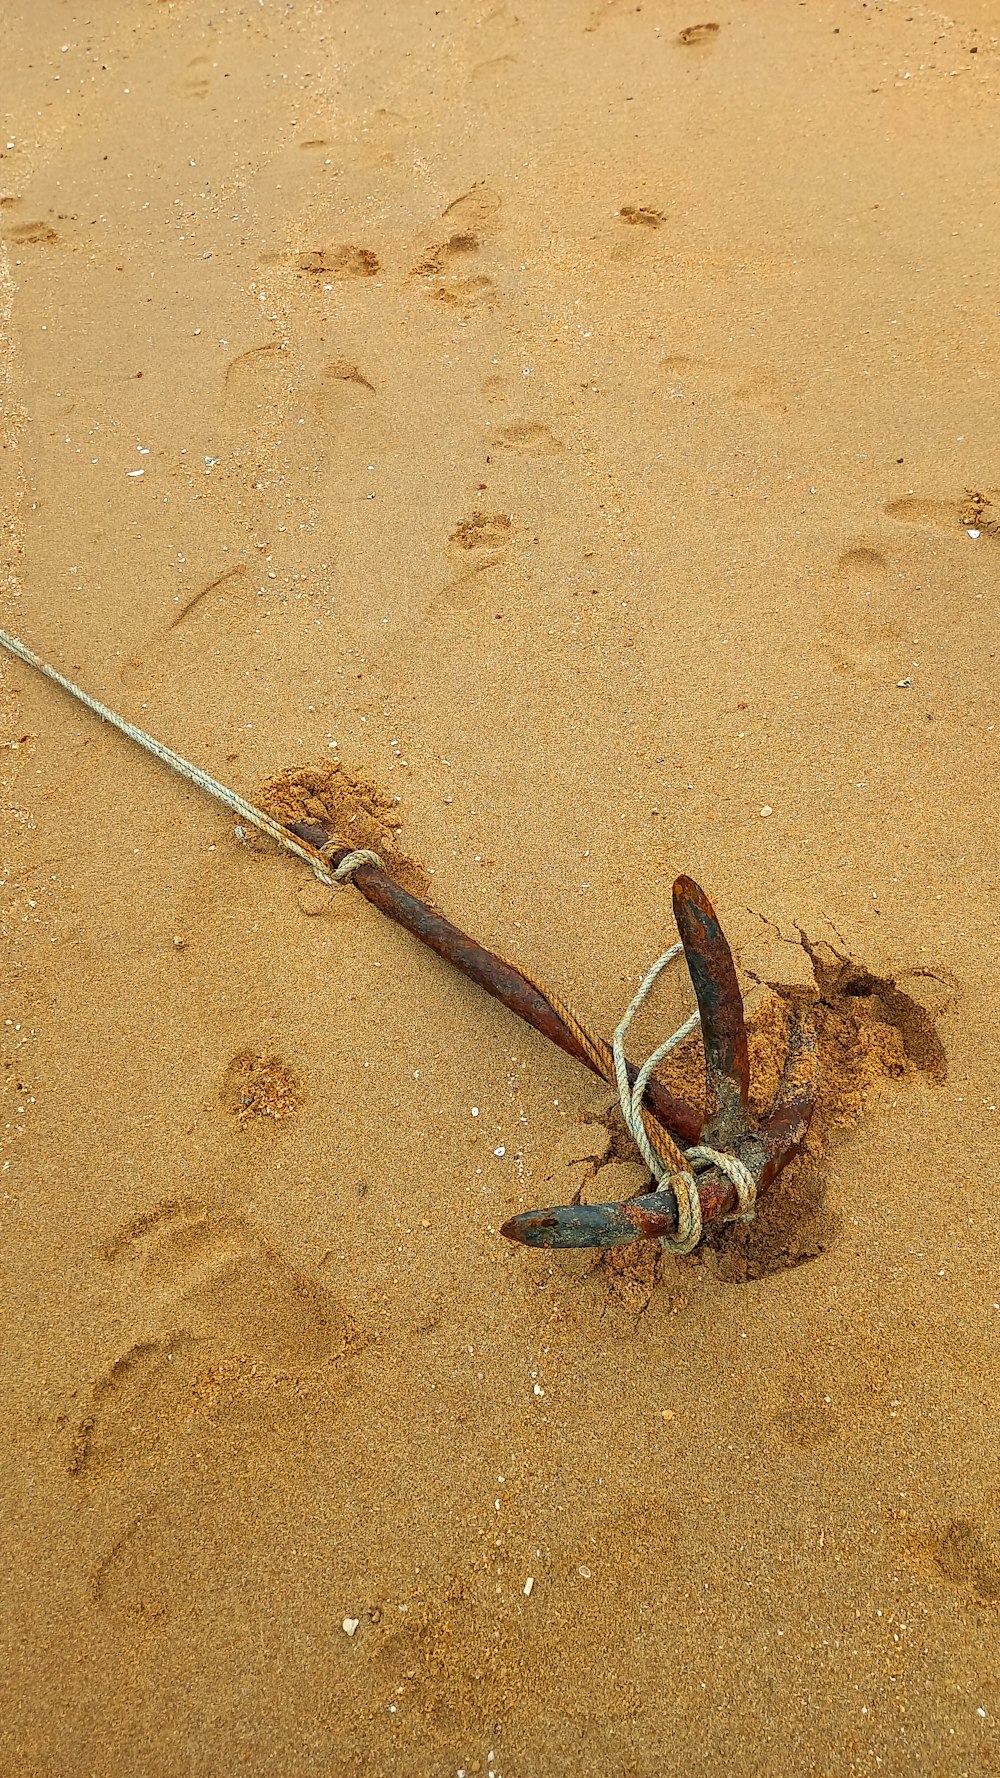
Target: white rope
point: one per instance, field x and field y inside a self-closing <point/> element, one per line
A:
<point x="347" y="866"/>
<point x="683" y="1185"/>
<point x="238" y="804"/>
<point x="734" y="1170"/>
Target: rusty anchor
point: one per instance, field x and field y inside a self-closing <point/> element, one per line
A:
<point x="764" y="1144"/>
<point x="744" y="1153"/>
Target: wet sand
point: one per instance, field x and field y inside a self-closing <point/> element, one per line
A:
<point x="588" y="438"/>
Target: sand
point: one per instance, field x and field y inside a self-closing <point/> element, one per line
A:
<point x="579" y="433"/>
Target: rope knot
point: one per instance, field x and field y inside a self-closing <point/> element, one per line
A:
<point x="666" y="1162"/>
<point x="347" y="866"/>
<point x="734" y="1169"/>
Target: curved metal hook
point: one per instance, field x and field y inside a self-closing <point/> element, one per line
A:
<point x="765" y="1146"/>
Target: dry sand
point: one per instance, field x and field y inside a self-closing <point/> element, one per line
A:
<point x="579" y="432"/>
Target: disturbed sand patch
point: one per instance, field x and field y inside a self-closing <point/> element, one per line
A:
<point x="353" y="807"/>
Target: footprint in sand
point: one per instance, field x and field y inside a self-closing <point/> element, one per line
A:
<point x="607" y="10"/>
<point x="865" y="648"/>
<point x="529" y="438"/>
<point x="862" y="568"/>
<point x="694" y="35"/>
<point x="491" y="78"/>
<point x="344" y="393"/>
<point x="197" y="78"/>
<point x="628" y="244"/>
<point x="477" y="544"/>
<point x="344" y="370"/>
<point x="450" y="267"/>
<point x="345" y="261"/>
<point x="444" y="256"/>
<point x="965" y="1551"/>
<point x="808" y="1419"/>
<point x="861" y="637"/>
<point x="445" y="283"/>
<point x="914" y="510"/>
<point x="233" y="1337"/>
<point x="755" y="386"/>
<point x="222" y="1300"/>
<point x="31" y="234"/>
<point x="977" y="511"/>
<point x="270" y="391"/>
<point x="492" y="49"/>
<point x="483" y="531"/>
<point x="261" y="408"/>
<point x="477" y="210"/>
<point x="445" y="268"/>
<point x="467" y="294"/>
<point x="345" y="402"/>
<point x="256" y="1086"/>
<point x="342" y="262"/>
<point x="641" y="216"/>
<point x="257" y="386"/>
<point x="968" y="1554"/>
<point x="384" y="139"/>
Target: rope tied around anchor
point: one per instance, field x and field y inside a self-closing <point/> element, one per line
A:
<point x="347" y="866"/>
<point x="665" y="1161"/>
<point x="669" y="1165"/>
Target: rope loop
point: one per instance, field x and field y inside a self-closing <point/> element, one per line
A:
<point x="734" y="1169"/>
<point x="347" y="866"/>
<point x="665" y="1162"/>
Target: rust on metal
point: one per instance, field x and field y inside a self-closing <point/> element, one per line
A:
<point x="647" y="1218"/>
<point x="713" y="978"/>
<point x="786" y="1121"/>
<point x="764" y="1146"/>
<point x="498" y="977"/>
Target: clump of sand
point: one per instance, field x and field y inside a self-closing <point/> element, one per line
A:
<point x="256" y="1086"/>
<point x="352" y="808"/>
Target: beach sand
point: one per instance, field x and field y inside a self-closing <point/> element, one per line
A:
<point x="587" y="436"/>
